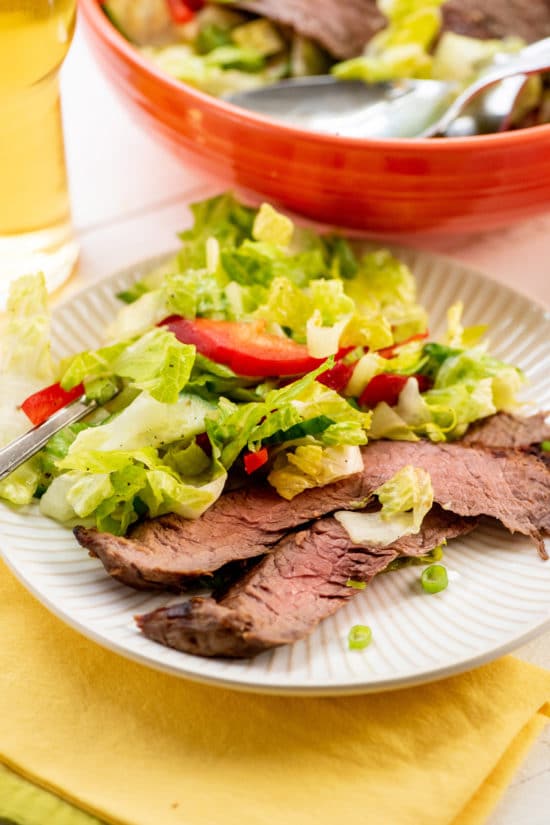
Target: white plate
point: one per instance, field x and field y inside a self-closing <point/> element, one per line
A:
<point x="499" y="592"/>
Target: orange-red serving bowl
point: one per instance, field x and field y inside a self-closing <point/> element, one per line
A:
<point x="384" y="187"/>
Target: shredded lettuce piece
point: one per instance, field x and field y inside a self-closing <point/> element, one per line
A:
<point x="409" y="490"/>
<point x="146" y="422"/>
<point x="217" y="73"/>
<point x="260" y="36"/>
<point x="460" y="58"/>
<point x="405" y="500"/>
<point x="26" y="330"/>
<point x="114" y="487"/>
<point x="312" y="465"/>
<point x="457" y="335"/>
<point x="271" y="226"/>
<point x="156" y="363"/>
<point x="400" y="50"/>
<point x="25" y="367"/>
<point x="235" y="426"/>
<point x="385" y="287"/>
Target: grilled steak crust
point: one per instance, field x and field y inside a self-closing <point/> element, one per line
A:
<point x="507" y="431"/>
<point x="344" y="28"/>
<point x="290" y="591"/>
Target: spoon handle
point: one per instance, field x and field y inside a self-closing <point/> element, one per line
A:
<point x="533" y="60"/>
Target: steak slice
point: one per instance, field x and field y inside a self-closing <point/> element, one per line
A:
<point x="342" y="28"/>
<point x="509" y="431"/>
<point x="288" y="593"/>
<point x="168" y="551"/>
<point x="529" y="19"/>
<point x="508" y="485"/>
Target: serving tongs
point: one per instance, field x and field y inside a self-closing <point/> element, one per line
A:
<point x="21" y="449"/>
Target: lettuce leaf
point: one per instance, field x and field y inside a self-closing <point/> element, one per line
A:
<point x="405" y="500"/>
<point x="401" y="49"/>
<point x="156" y="363"/>
<point x="236" y="426"/>
<point x="312" y="465"/>
<point x="115" y="487"/>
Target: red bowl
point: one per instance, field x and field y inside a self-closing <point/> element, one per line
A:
<point x="384" y="187"/>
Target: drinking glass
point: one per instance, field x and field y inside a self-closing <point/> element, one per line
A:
<point x="35" y="222"/>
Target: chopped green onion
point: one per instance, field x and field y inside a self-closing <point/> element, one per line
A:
<point x="545" y="446"/>
<point x="408" y="561"/>
<point x="359" y="637"/>
<point x="434" y="578"/>
<point x="356" y="585"/>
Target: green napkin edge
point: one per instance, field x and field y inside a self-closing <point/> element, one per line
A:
<point x="23" y="803"/>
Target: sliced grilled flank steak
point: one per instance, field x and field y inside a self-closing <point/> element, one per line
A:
<point x="284" y="597"/>
<point x="509" y="431"/>
<point x="508" y="485"/>
<point x="344" y="28"/>
<point x="166" y="552"/>
<point x="529" y="19"/>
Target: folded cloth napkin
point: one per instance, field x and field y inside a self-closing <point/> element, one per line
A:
<point x="135" y="747"/>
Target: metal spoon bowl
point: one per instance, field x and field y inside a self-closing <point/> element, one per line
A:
<point x="408" y="108"/>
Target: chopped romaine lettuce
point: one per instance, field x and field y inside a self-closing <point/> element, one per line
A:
<point x="400" y="50"/>
<point x="156" y="362"/>
<point x="312" y="465"/>
<point x="272" y="227"/>
<point x="408" y="491"/>
<point x="405" y="500"/>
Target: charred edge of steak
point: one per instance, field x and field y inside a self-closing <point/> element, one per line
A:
<point x="113" y="553"/>
<point x="290" y="591"/>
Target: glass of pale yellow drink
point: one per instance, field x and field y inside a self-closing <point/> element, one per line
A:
<point x="35" y="223"/>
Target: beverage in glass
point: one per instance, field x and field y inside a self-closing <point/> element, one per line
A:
<point x="35" y="223"/>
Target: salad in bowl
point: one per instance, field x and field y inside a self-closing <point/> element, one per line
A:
<point x="227" y="47"/>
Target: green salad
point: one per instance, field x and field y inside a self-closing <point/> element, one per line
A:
<point x="261" y="349"/>
<point x="223" y="47"/>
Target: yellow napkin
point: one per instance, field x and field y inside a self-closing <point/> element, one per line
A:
<point x="138" y="747"/>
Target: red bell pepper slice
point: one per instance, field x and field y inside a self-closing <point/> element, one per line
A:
<point x="387" y="387"/>
<point x="245" y="348"/>
<point x="391" y="352"/>
<point x="182" y="11"/>
<point x="253" y="461"/>
<point x="337" y="378"/>
<point x="40" y="405"/>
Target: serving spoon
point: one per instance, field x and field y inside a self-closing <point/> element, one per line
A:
<point x="405" y="108"/>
